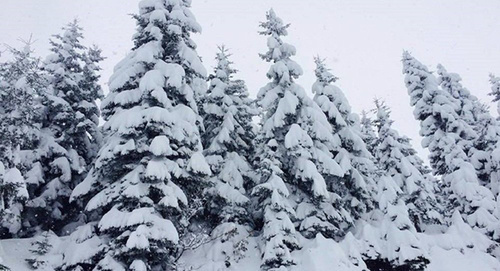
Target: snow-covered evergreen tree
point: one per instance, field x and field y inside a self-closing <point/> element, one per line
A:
<point x="88" y="120"/>
<point x="405" y="199"/>
<point x="356" y="181"/>
<point x="279" y="234"/>
<point x="398" y="160"/>
<point x="444" y="133"/>
<point x="475" y="114"/>
<point x="368" y="133"/>
<point x="495" y="90"/>
<point x="491" y="135"/>
<point x="485" y="154"/>
<point x="488" y="135"/>
<point x="13" y="195"/>
<point x="470" y="106"/>
<point x="41" y="247"/>
<point x="228" y="142"/>
<point x="293" y="157"/>
<point x="146" y="183"/>
<point x="21" y="83"/>
<point x="69" y="135"/>
<point x="391" y="238"/>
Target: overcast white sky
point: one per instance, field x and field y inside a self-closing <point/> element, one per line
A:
<point x="362" y="40"/>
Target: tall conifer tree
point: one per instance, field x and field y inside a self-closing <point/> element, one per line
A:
<point x="293" y="156"/>
<point x="228" y="137"/>
<point x="144" y="190"/>
<point x="399" y="161"/>
<point x="358" y="173"/>
<point x="446" y="135"/>
<point x="69" y="136"/>
<point x="21" y="85"/>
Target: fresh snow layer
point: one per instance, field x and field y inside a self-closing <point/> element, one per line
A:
<point x="14" y="252"/>
<point x="453" y="260"/>
<point x="320" y="254"/>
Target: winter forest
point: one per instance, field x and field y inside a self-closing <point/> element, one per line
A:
<point x="174" y="165"/>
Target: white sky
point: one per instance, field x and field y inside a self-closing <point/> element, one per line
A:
<point x="362" y="40"/>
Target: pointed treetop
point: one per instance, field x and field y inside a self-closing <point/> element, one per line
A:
<point x="174" y="11"/>
<point x="418" y="80"/>
<point x="223" y="54"/>
<point x="26" y="49"/>
<point x="71" y="35"/>
<point x="364" y="114"/>
<point x="284" y="70"/>
<point x="451" y="82"/>
<point x="383" y="113"/>
<point x="223" y="69"/>
<point x="411" y="64"/>
<point x="273" y="25"/>
<point x="94" y="54"/>
<point x="495" y="90"/>
<point x="495" y="87"/>
<point x="441" y="70"/>
<point x="72" y="27"/>
<point x="322" y="72"/>
<point x="365" y="119"/>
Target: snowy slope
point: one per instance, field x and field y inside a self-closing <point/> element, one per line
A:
<point x="326" y="255"/>
<point x="454" y="260"/>
<point x="14" y="252"/>
<point x="320" y="254"/>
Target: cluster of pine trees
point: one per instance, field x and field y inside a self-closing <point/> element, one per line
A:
<point x="179" y="163"/>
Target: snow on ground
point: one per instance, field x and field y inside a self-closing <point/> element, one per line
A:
<point x="14" y="252"/>
<point x="454" y="260"/>
<point x="209" y="258"/>
<point x="324" y="254"/>
<point x="320" y="254"/>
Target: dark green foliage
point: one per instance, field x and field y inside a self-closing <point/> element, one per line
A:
<point x="418" y="264"/>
